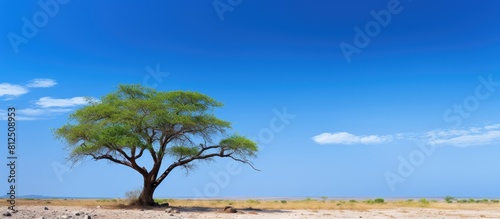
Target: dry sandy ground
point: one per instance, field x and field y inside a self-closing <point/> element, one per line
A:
<point x="38" y="212"/>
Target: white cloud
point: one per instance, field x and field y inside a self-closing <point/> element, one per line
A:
<point x="46" y="102"/>
<point x="347" y="138"/>
<point x="41" y="112"/>
<point x="12" y="90"/>
<point x="490" y="127"/>
<point x="466" y="137"/>
<point x="35" y="114"/>
<point x="41" y="82"/>
<point x="472" y="136"/>
<point x="31" y="112"/>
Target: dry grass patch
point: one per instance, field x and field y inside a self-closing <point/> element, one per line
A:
<point x="252" y="204"/>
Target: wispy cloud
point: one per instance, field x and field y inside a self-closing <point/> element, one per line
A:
<point x="41" y="83"/>
<point x="465" y="137"/>
<point x="12" y="90"/>
<point x="46" y="102"/>
<point x="473" y="136"/>
<point x="43" y="108"/>
<point x="40" y="112"/>
<point x="29" y="114"/>
<point x="348" y="138"/>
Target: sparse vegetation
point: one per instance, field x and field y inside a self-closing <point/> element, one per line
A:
<point x="379" y="200"/>
<point x="133" y="196"/>
<point x="270" y="204"/>
<point x="423" y="201"/>
<point x="253" y="201"/>
<point x="324" y="198"/>
<point x="495" y="201"/>
<point x="449" y="199"/>
<point x="308" y="199"/>
<point x="352" y="201"/>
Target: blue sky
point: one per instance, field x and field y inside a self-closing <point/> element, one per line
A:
<point x="412" y="112"/>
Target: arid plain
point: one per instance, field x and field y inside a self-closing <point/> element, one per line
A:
<point x="307" y="208"/>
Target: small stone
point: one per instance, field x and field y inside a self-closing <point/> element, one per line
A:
<point x="177" y="212"/>
<point x="7" y="214"/>
<point x="46" y="208"/>
<point x="169" y="210"/>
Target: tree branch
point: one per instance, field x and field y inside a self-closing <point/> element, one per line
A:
<point x="110" y="158"/>
<point x="244" y="161"/>
<point x="200" y="156"/>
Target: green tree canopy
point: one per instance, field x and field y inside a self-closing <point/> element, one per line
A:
<point x="135" y="120"/>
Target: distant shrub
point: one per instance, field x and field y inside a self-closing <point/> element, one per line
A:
<point x="353" y="201"/>
<point x="379" y="200"/>
<point x="308" y="199"/>
<point x="283" y="201"/>
<point x="409" y="200"/>
<point x="253" y="201"/>
<point x="449" y="199"/>
<point x="133" y="196"/>
<point x="462" y="201"/>
<point x="495" y="201"/>
<point x="369" y="201"/>
<point x="324" y="198"/>
<point x="424" y="201"/>
<point x="485" y="200"/>
<point x="471" y="200"/>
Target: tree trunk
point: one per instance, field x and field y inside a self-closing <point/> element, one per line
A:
<point x="146" y="197"/>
